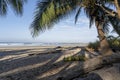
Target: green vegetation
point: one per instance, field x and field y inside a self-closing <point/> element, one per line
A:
<point x="114" y="43"/>
<point x="94" y="45"/>
<point x="75" y="58"/>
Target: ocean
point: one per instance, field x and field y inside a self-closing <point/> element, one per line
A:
<point x="40" y="44"/>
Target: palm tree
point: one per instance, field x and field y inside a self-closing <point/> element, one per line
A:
<point x="49" y="12"/>
<point x="114" y="16"/>
<point x="16" y="5"/>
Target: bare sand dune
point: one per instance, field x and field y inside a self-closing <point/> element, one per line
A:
<point x="35" y="63"/>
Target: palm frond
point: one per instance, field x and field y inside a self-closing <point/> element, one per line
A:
<point x="16" y="5"/>
<point x="115" y="22"/>
<point x="96" y="13"/>
<point x="77" y="14"/>
<point x="106" y="26"/>
<point x="3" y="7"/>
<point x="110" y="2"/>
<point x="91" y="13"/>
<point x="50" y="12"/>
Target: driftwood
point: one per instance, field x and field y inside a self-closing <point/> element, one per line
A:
<point x="107" y="73"/>
<point x="90" y="65"/>
<point x="112" y="73"/>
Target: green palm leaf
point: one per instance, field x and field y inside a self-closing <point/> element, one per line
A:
<point x="115" y="22"/>
<point x="77" y="14"/>
<point x="50" y="12"/>
<point x="16" y="5"/>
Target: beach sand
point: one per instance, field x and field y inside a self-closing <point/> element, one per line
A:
<point x="35" y="62"/>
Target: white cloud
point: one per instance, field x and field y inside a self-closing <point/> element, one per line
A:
<point x="69" y="33"/>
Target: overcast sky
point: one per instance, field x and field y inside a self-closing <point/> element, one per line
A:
<point x="16" y="29"/>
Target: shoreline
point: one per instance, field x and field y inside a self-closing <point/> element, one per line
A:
<point x="39" y="46"/>
<point x="22" y="44"/>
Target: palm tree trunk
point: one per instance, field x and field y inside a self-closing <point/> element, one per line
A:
<point x="104" y="45"/>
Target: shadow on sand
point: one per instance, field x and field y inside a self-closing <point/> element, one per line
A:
<point x="38" y="67"/>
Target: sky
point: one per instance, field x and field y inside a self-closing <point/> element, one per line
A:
<point x="16" y="28"/>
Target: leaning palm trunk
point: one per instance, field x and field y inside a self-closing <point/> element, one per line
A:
<point x="104" y="46"/>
